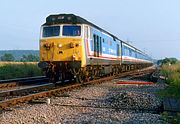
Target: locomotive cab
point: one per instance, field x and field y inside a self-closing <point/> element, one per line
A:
<point x="61" y="43"/>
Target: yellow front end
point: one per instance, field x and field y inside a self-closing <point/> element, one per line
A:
<point x="62" y="50"/>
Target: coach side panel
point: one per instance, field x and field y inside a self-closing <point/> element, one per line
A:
<point x="102" y="49"/>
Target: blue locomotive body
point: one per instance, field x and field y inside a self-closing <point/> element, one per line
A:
<point x="102" y="48"/>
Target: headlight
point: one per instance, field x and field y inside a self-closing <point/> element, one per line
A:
<point x="72" y="45"/>
<point x="59" y="45"/>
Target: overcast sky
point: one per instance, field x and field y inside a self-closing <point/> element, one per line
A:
<point x="150" y="25"/>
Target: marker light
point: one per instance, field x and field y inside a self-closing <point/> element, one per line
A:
<point x="69" y="18"/>
<point x="60" y="17"/>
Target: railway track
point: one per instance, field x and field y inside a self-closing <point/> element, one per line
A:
<point x="22" y="81"/>
<point x="46" y="91"/>
<point x="26" y="90"/>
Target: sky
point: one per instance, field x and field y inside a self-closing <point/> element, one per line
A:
<point x="150" y="25"/>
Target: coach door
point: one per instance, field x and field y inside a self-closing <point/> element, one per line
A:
<point x="97" y="46"/>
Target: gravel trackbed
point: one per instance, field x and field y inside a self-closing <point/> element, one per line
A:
<point x="102" y="104"/>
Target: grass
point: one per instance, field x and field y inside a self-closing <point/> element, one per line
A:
<point x="19" y="70"/>
<point x="172" y="74"/>
<point x="171" y="119"/>
<point x="170" y="92"/>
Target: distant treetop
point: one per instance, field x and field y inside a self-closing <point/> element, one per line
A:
<point x="167" y="61"/>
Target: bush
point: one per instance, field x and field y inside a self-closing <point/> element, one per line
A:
<point x="167" y="61"/>
<point x="10" y="71"/>
<point x="172" y="74"/>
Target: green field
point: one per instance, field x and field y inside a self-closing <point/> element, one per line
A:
<point x="10" y="70"/>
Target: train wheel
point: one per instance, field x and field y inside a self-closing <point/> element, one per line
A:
<point x="79" y="78"/>
<point x="86" y="76"/>
<point x="50" y="76"/>
<point x="78" y="75"/>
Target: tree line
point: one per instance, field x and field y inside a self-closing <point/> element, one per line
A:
<point x="24" y="58"/>
<point x="167" y="61"/>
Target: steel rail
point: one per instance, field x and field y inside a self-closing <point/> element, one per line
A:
<point x="21" y="81"/>
<point x="17" y="92"/>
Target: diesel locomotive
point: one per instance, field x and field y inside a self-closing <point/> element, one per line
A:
<point x="73" y="48"/>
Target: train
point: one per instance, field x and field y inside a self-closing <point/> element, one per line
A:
<point x="73" y="48"/>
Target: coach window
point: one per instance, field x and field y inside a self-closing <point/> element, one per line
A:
<point x="122" y="50"/>
<point x="100" y="46"/>
<point x="118" y="51"/>
<point x="135" y="54"/>
<point x="130" y="52"/>
<point x="125" y="50"/>
<point x="98" y="50"/>
<point x="95" y="44"/>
